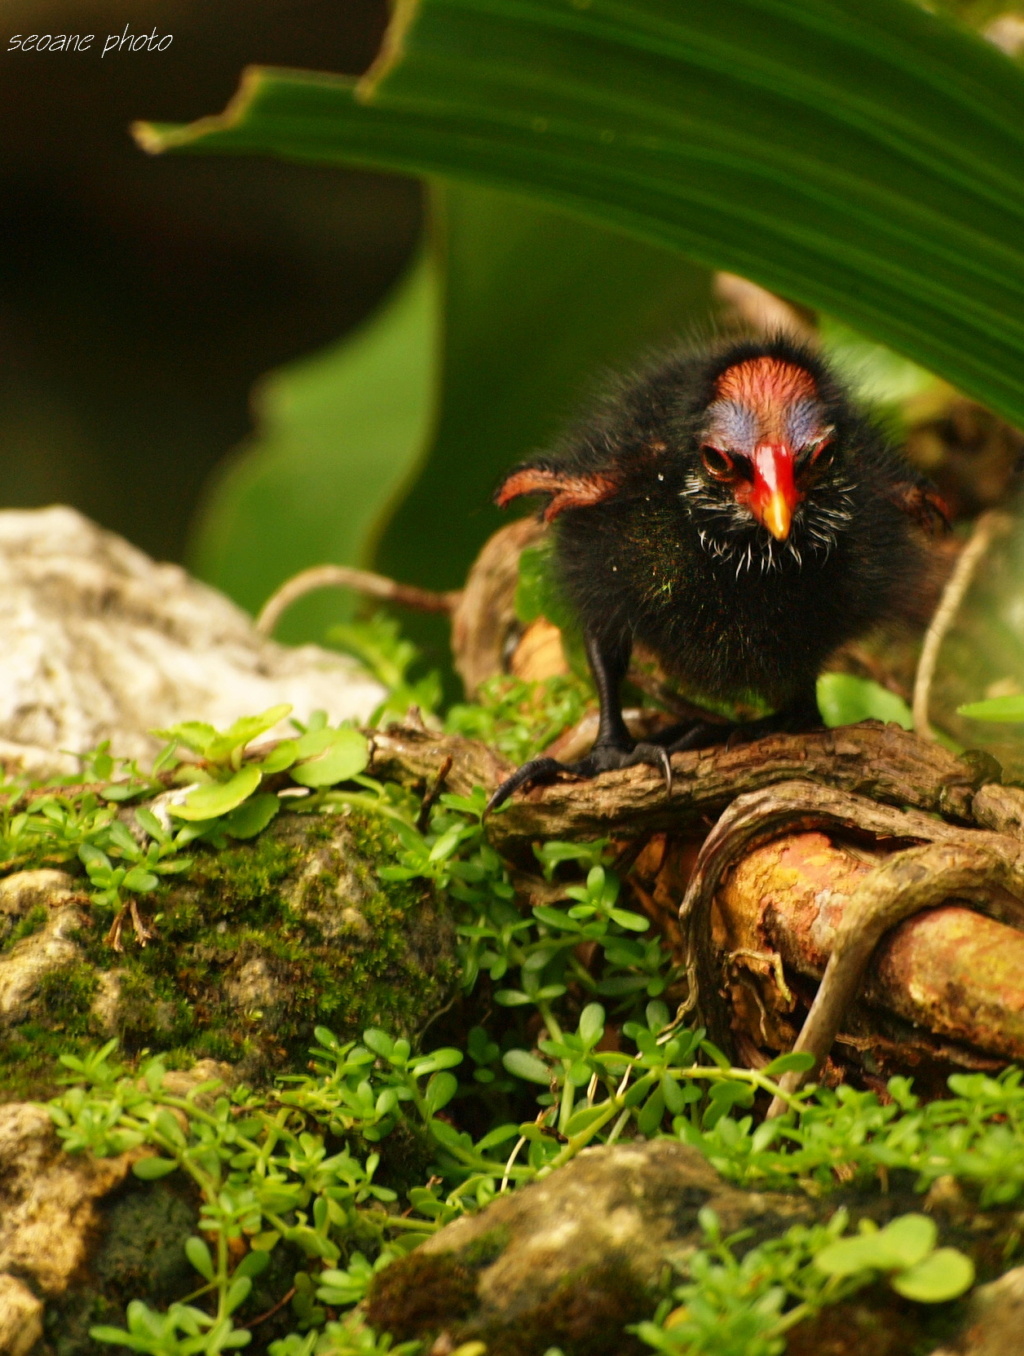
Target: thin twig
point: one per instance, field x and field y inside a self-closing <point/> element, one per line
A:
<point x="347" y="577"/>
<point x="430" y="799"/>
<point x="286" y="1298"/>
<point x="986" y="529"/>
<point x="904" y="884"/>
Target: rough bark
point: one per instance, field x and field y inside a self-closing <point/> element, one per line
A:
<point x="880" y="762"/>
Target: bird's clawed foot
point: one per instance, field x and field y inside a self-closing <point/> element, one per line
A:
<point x="798" y="717"/>
<point x="601" y="758"/>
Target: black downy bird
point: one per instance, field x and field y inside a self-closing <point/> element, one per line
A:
<point x="731" y="510"/>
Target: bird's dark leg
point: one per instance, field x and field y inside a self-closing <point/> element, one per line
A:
<point x="614" y="746"/>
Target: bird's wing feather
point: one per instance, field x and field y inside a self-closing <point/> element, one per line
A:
<point x="920" y="501"/>
<point x="568" y="489"/>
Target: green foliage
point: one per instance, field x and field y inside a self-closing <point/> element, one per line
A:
<point x="1006" y="709"/>
<point x="267" y="1178"/>
<point x="385" y="653"/>
<point x="336" y="436"/>
<point x="743" y="1305"/>
<point x="905" y="1250"/>
<point x="63" y="821"/>
<point x="519" y="717"/>
<point x="310" y="1166"/>
<point x="413" y="420"/>
<point x="886" y="194"/>
<point x="321" y="756"/>
<point x="844" y="699"/>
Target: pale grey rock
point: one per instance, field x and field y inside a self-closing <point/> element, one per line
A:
<point x="570" y="1260"/>
<point x="21" y="1317"/>
<point x="253" y="989"/>
<point x="995" y="1323"/>
<point x="24" y="965"/>
<point x="27" y="890"/>
<point x="100" y="642"/>
<point x="48" y="1198"/>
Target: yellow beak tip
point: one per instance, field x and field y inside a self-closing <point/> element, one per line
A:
<point x="777" y="517"/>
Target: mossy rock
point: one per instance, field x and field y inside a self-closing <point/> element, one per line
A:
<point x="255" y="946"/>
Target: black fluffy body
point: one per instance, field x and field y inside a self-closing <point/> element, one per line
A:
<point x="671" y="560"/>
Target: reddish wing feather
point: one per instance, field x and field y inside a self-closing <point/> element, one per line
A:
<point x="924" y="504"/>
<point x="567" y="491"/>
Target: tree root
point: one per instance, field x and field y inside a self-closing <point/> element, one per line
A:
<point x="871" y="760"/>
<point x="946" y="861"/>
<point x="951" y="832"/>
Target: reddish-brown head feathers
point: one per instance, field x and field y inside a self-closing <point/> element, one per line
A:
<point x="767" y="387"/>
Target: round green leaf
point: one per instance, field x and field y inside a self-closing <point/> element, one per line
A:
<point x="253" y="815"/>
<point x="140" y="881"/>
<point x="198" y="1253"/>
<point x="218" y="798"/>
<point x="906" y="1241"/>
<point x="850" y="1255"/>
<point x="440" y="1091"/>
<point x="844" y="699"/>
<point x="280" y="757"/>
<point x="254" y="1263"/>
<point x="524" y="1065"/>
<point x="591" y="1027"/>
<point x="942" y="1275"/>
<point x="326" y="757"/>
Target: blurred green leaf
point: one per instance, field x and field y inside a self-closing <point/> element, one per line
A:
<point x="252" y="816"/>
<point x="850" y="1255"/>
<point x="1009" y="709"/>
<point x="329" y="756"/>
<point x="844" y="699"/>
<point x="534" y="305"/>
<point x="524" y="1065"/>
<point x="217" y="798"/>
<point x="906" y="1240"/>
<point x="982" y="658"/>
<point x="244" y="731"/>
<point x="337" y="434"/>
<point x="861" y="156"/>
<point x="943" y="1275"/>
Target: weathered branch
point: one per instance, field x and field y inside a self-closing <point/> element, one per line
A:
<point x="882" y="762"/>
<point x="755" y="819"/>
<point x="947" y="860"/>
<point x="360" y="581"/>
<point x="969" y="864"/>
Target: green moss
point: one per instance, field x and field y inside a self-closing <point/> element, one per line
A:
<point x="62" y="1023"/>
<point x="420" y="1294"/>
<point x="259" y="943"/>
<point x="140" y="1253"/>
<point x="33" y="921"/>
<point x="584" y="1315"/>
<point x="30" y="1063"/>
<point x="485" y="1250"/>
<point x="65" y="997"/>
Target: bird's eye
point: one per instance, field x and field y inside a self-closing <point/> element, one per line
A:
<point x="718" y="464"/>
<point x="821" y="450"/>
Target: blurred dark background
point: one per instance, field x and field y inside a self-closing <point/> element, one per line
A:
<point x="141" y="297"/>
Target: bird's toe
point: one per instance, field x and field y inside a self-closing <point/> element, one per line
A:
<point x="536" y="771"/>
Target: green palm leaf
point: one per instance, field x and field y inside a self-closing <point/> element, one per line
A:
<point x="861" y="156"/>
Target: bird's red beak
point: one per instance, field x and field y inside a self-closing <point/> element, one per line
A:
<point x="773" y="495"/>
